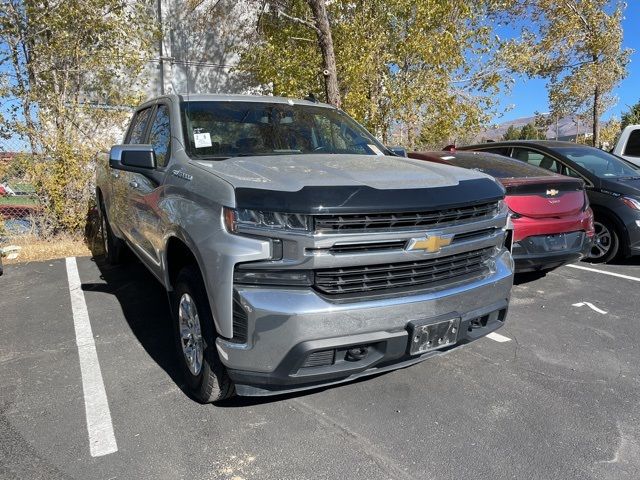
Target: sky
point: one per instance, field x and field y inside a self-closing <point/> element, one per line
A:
<point x="529" y="96"/>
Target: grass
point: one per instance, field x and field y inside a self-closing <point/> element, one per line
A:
<point x="36" y="250"/>
<point x="21" y="201"/>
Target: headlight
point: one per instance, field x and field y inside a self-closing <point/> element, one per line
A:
<point x="256" y="219"/>
<point x="502" y="207"/>
<point x="631" y="202"/>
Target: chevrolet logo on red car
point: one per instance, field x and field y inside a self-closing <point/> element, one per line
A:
<point x="552" y="192"/>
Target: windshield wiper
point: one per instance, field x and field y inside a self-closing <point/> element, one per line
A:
<point x="212" y="157"/>
<point x="266" y="154"/>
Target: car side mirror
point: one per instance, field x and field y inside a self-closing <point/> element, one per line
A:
<point x="399" y="151"/>
<point x="138" y="158"/>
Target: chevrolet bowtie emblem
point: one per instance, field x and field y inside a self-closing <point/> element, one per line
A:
<point x="552" y="192"/>
<point x="430" y="243"/>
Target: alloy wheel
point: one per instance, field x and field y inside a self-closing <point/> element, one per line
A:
<point x="190" y="334"/>
<point x="602" y="241"/>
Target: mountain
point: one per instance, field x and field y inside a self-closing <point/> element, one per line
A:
<point x="567" y="128"/>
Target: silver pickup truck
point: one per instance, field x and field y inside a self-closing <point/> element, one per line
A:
<point x="296" y="249"/>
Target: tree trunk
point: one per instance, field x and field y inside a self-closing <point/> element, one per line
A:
<point x="325" y="42"/>
<point x="596" y="117"/>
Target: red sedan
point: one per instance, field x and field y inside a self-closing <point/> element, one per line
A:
<point x="553" y="223"/>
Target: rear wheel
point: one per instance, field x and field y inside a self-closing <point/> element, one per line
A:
<point x="112" y="245"/>
<point x="606" y="242"/>
<point x="205" y="375"/>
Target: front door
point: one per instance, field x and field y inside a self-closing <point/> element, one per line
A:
<point x="145" y="193"/>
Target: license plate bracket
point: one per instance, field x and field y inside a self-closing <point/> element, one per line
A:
<point x="425" y="336"/>
<point x="557" y="243"/>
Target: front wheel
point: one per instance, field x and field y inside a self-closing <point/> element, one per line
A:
<point x="205" y="375"/>
<point x="606" y="242"/>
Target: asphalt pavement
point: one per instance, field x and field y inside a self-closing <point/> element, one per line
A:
<point x="556" y="396"/>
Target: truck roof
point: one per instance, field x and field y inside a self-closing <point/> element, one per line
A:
<point x="225" y="97"/>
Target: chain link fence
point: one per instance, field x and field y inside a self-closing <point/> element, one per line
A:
<point x="21" y="209"/>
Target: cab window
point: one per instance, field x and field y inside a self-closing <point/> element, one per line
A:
<point x="139" y="126"/>
<point x="160" y="135"/>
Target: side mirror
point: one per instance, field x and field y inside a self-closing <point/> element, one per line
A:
<point x="133" y="158"/>
<point x="399" y="151"/>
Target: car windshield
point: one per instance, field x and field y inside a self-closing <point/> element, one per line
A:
<point x="598" y="162"/>
<point x="223" y="129"/>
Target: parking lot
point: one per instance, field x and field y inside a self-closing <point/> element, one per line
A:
<point x="556" y="395"/>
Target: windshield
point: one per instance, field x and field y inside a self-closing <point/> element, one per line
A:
<point x="598" y="162"/>
<point x="223" y="129"/>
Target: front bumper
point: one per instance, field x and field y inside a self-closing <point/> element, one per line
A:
<point x="546" y="252"/>
<point x="285" y="326"/>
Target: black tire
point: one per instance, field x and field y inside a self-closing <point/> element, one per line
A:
<point x="211" y="383"/>
<point x="606" y="244"/>
<point x="112" y="245"/>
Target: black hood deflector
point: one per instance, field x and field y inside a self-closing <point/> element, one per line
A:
<point x="363" y="199"/>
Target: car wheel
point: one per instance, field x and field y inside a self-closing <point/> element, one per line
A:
<point x="606" y="242"/>
<point x="112" y="245"/>
<point x="205" y="375"/>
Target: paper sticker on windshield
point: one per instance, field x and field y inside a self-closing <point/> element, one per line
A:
<point x="202" y="140"/>
<point x="375" y="149"/>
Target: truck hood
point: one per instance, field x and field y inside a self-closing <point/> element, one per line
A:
<point x="328" y="184"/>
<point x="294" y="172"/>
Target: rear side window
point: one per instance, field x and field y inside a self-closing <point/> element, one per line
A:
<point x="160" y="135"/>
<point x="139" y="126"/>
<point x="499" y="151"/>
<point x="537" y="159"/>
<point x="633" y="144"/>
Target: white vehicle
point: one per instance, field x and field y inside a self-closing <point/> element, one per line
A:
<point x="628" y="146"/>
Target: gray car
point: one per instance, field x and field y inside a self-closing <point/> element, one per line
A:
<point x="297" y="250"/>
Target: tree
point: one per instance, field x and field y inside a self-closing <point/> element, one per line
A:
<point x="631" y="117"/>
<point x="512" y="133"/>
<point x="428" y="71"/>
<point x="314" y="17"/>
<point x="609" y="133"/>
<point x="529" y="132"/>
<point x="68" y="69"/>
<point x="578" y="48"/>
<point x="542" y="122"/>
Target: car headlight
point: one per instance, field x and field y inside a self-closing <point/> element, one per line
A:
<point x="256" y="219"/>
<point x="631" y="202"/>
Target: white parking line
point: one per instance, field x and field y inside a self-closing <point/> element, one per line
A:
<point x="496" y="337"/>
<point x="604" y="272"/>
<point x="102" y="440"/>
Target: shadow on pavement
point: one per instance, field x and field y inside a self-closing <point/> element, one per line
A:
<point x="145" y="307"/>
<point x="526" y="277"/>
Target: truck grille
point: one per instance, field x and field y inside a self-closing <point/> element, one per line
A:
<point x="385" y="221"/>
<point x="435" y="272"/>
